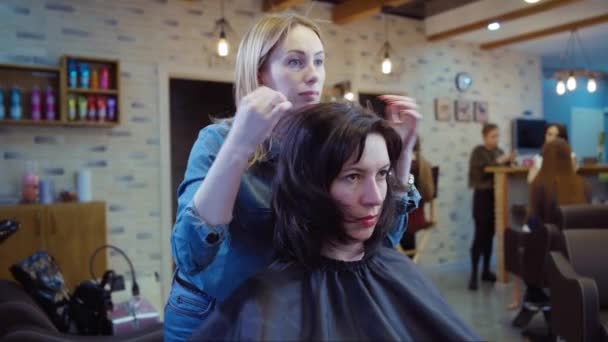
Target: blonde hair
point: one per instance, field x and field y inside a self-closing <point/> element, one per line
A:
<point x="254" y="49"/>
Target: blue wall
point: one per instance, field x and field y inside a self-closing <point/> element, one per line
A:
<point x="558" y="108"/>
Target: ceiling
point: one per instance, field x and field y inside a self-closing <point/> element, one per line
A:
<point x="466" y="20"/>
<point x="419" y="9"/>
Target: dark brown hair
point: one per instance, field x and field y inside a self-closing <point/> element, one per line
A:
<point x="556" y="183"/>
<point x="562" y="131"/>
<point x="316" y="143"/>
<point x="487" y="128"/>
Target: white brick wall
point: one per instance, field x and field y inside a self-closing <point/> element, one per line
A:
<point x="146" y="33"/>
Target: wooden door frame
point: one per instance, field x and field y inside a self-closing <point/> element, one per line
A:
<point x="167" y="71"/>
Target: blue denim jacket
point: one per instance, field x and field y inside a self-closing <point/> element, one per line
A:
<point x="217" y="259"/>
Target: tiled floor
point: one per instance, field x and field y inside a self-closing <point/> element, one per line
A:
<point x="484" y="309"/>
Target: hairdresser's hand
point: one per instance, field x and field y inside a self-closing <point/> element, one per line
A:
<point x="402" y="113"/>
<point x="257" y="114"/>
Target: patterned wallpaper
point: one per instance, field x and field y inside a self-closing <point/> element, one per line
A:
<point x="143" y="33"/>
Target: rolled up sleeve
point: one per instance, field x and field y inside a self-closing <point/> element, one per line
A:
<point x="405" y="204"/>
<point x="194" y="242"/>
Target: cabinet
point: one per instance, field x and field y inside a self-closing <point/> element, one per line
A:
<point x="70" y="232"/>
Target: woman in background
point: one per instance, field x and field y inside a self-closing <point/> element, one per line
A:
<point x="555" y="184"/>
<point x="552" y="131"/>
<point x="488" y="154"/>
<point x="423" y="179"/>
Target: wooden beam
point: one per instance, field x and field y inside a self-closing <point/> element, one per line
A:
<point x="352" y="10"/>
<point x="600" y="19"/>
<point x="502" y="18"/>
<point x="280" y="5"/>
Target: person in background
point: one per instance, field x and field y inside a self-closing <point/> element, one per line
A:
<point x="552" y="131"/>
<point x="333" y="203"/>
<point x="555" y="184"/>
<point x="223" y="230"/>
<point x="488" y="154"/>
<point x="423" y="179"/>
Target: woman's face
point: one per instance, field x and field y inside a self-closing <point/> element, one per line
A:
<point x="360" y="188"/>
<point x="296" y="67"/>
<point x="551" y="134"/>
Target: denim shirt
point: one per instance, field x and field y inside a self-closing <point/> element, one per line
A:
<point x="217" y="259"/>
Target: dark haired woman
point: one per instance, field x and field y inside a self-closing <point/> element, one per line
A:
<point x="333" y="203"/>
<point x="556" y="184"/>
<point x="552" y="132"/>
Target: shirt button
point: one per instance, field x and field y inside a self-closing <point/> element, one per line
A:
<point x="212" y="238"/>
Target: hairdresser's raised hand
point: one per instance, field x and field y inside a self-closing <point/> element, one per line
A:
<point x="257" y="114"/>
<point x="402" y="113"/>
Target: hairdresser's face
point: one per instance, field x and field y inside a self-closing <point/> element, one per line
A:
<point x="360" y="188"/>
<point x="551" y="134"/>
<point x="296" y="67"/>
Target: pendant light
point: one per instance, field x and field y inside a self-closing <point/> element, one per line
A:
<point x="387" y="65"/>
<point x="223" y="48"/>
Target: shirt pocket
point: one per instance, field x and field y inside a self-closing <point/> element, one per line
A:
<point x="186" y="302"/>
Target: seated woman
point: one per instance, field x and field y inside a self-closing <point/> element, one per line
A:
<point x="423" y="180"/>
<point x="552" y="131"/>
<point x="333" y="200"/>
<point x="555" y="184"/>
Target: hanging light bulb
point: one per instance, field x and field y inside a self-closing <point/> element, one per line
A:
<point x="387" y="66"/>
<point x="560" y="88"/>
<point x="571" y="82"/>
<point x="222" y="45"/>
<point x="349" y="95"/>
<point x="591" y="85"/>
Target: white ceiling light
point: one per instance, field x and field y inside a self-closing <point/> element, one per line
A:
<point x="493" y="26"/>
<point x="531" y="1"/>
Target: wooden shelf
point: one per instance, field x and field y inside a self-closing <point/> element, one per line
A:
<point x="29" y="77"/>
<point x="27" y="122"/>
<point x="22" y="67"/>
<point x="102" y="124"/>
<point x="92" y="91"/>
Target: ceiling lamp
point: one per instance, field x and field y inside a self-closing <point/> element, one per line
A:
<point x="570" y="74"/>
<point x="494" y="26"/>
<point x="561" y="87"/>
<point x="591" y="85"/>
<point x="531" y="1"/>
<point x="223" y="48"/>
<point x="387" y="65"/>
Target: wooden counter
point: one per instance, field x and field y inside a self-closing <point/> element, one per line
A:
<point x="510" y="186"/>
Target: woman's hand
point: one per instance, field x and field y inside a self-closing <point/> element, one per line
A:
<point x="256" y="116"/>
<point x="402" y="113"/>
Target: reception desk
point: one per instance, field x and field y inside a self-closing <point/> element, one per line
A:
<point x="511" y="187"/>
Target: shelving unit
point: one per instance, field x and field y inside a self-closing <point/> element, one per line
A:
<point x="113" y="91"/>
<point x="26" y="77"/>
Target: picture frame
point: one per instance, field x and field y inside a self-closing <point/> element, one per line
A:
<point x="480" y="111"/>
<point x="444" y="107"/>
<point x="463" y="111"/>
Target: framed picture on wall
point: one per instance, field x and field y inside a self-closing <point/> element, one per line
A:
<point x="480" y="111"/>
<point x="464" y="110"/>
<point x="444" y="107"/>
